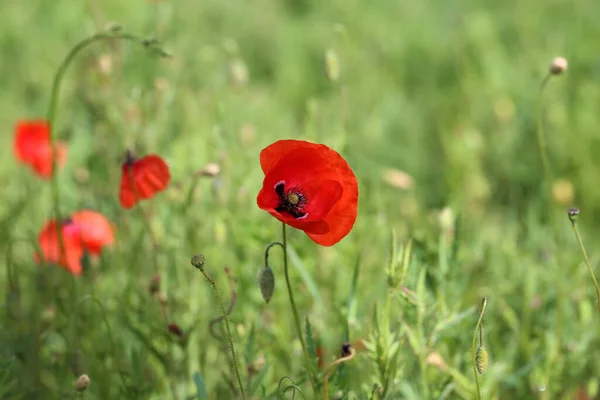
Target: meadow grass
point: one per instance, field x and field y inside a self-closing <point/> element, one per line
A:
<point x="435" y="110"/>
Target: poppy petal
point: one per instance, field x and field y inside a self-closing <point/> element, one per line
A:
<point x="32" y="147"/>
<point x="150" y="175"/>
<point x="29" y="135"/>
<point x="42" y="164"/>
<point x="95" y="230"/>
<point x="49" y="244"/>
<point x="271" y="154"/>
<point x="342" y="216"/>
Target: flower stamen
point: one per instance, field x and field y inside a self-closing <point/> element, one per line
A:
<point x="292" y="200"/>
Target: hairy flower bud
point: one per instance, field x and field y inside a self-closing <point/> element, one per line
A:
<point x="266" y="281"/>
<point x="198" y="261"/>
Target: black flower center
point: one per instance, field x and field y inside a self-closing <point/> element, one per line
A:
<point x="292" y="200"/>
<point x="66" y="221"/>
<point x="129" y="158"/>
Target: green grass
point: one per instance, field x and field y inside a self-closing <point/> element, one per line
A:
<point x="445" y="91"/>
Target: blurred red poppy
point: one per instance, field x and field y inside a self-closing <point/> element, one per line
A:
<point x="309" y="187"/>
<point x="142" y="178"/>
<point x="50" y="246"/>
<point x="95" y="231"/>
<point x="32" y="147"/>
<point x="84" y="231"/>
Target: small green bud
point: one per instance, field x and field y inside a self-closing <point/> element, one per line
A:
<point x="573" y="213"/>
<point x="198" y="261"/>
<point x="266" y="281"/>
<point x="481" y="360"/>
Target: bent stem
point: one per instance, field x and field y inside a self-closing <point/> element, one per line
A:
<point x="54" y="96"/>
<point x="330" y="368"/>
<point x="309" y="369"/>
<point x="111" y="340"/>
<point x="540" y="131"/>
<point x="228" y="331"/>
<point x="473" y="346"/>
<point x="587" y="260"/>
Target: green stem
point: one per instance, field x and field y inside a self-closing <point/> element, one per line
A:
<point x="54" y="97"/>
<point x="309" y="369"/>
<point x="111" y="340"/>
<point x="330" y="368"/>
<point x="587" y="261"/>
<point x="473" y="346"/>
<point x="51" y="121"/>
<point x="540" y="132"/>
<point x="228" y="329"/>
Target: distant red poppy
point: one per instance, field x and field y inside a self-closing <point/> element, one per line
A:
<point x="309" y="187"/>
<point x="84" y="231"/>
<point x="142" y="178"/>
<point x="94" y="230"/>
<point x="50" y="246"/>
<point x="32" y="147"/>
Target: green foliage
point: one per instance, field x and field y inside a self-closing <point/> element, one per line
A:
<point x="432" y="104"/>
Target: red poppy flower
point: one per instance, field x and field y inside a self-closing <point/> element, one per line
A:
<point x="86" y="230"/>
<point x="309" y="187"/>
<point x="142" y="178"/>
<point x="50" y="246"/>
<point x="32" y="147"/>
<point x="95" y="231"/>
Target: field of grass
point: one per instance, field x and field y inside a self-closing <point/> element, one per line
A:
<point x="435" y="107"/>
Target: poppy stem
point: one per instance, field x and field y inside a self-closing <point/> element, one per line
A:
<point x="309" y="369"/>
<point x="473" y="346"/>
<point x="330" y="368"/>
<point x="573" y="218"/>
<point x="199" y="264"/>
<point x="114" y="33"/>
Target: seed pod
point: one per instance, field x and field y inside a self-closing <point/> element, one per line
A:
<point x="481" y="360"/>
<point x="558" y="65"/>
<point x="266" y="281"/>
<point x="82" y="383"/>
<point x="198" y="261"/>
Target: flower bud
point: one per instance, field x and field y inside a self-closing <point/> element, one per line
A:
<point x="266" y="281"/>
<point x="481" y="360"/>
<point x="573" y="213"/>
<point x="154" y="284"/>
<point x="558" y="65"/>
<point x="198" y="261"/>
<point x="175" y="330"/>
<point x="82" y="383"/>
<point x="346" y="349"/>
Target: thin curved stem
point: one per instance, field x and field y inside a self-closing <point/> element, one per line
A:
<point x="330" y="368"/>
<point x="309" y="369"/>
<point x="587" y="261"/>
<point x="228" y="331"/>
<point x="269" y="247"/>
<point x="54" y="97"/>
<point x="108" y="331"/>
<point x="212" y="322"/>
<point x="473" y="349"/>
<point x="540" y="131"/>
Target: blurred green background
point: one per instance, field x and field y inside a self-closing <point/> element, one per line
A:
<point x="433" y="104"/>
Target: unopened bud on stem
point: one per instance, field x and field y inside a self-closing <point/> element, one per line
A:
<point x="558" y="65"/>
<point x="82" y="383"/>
